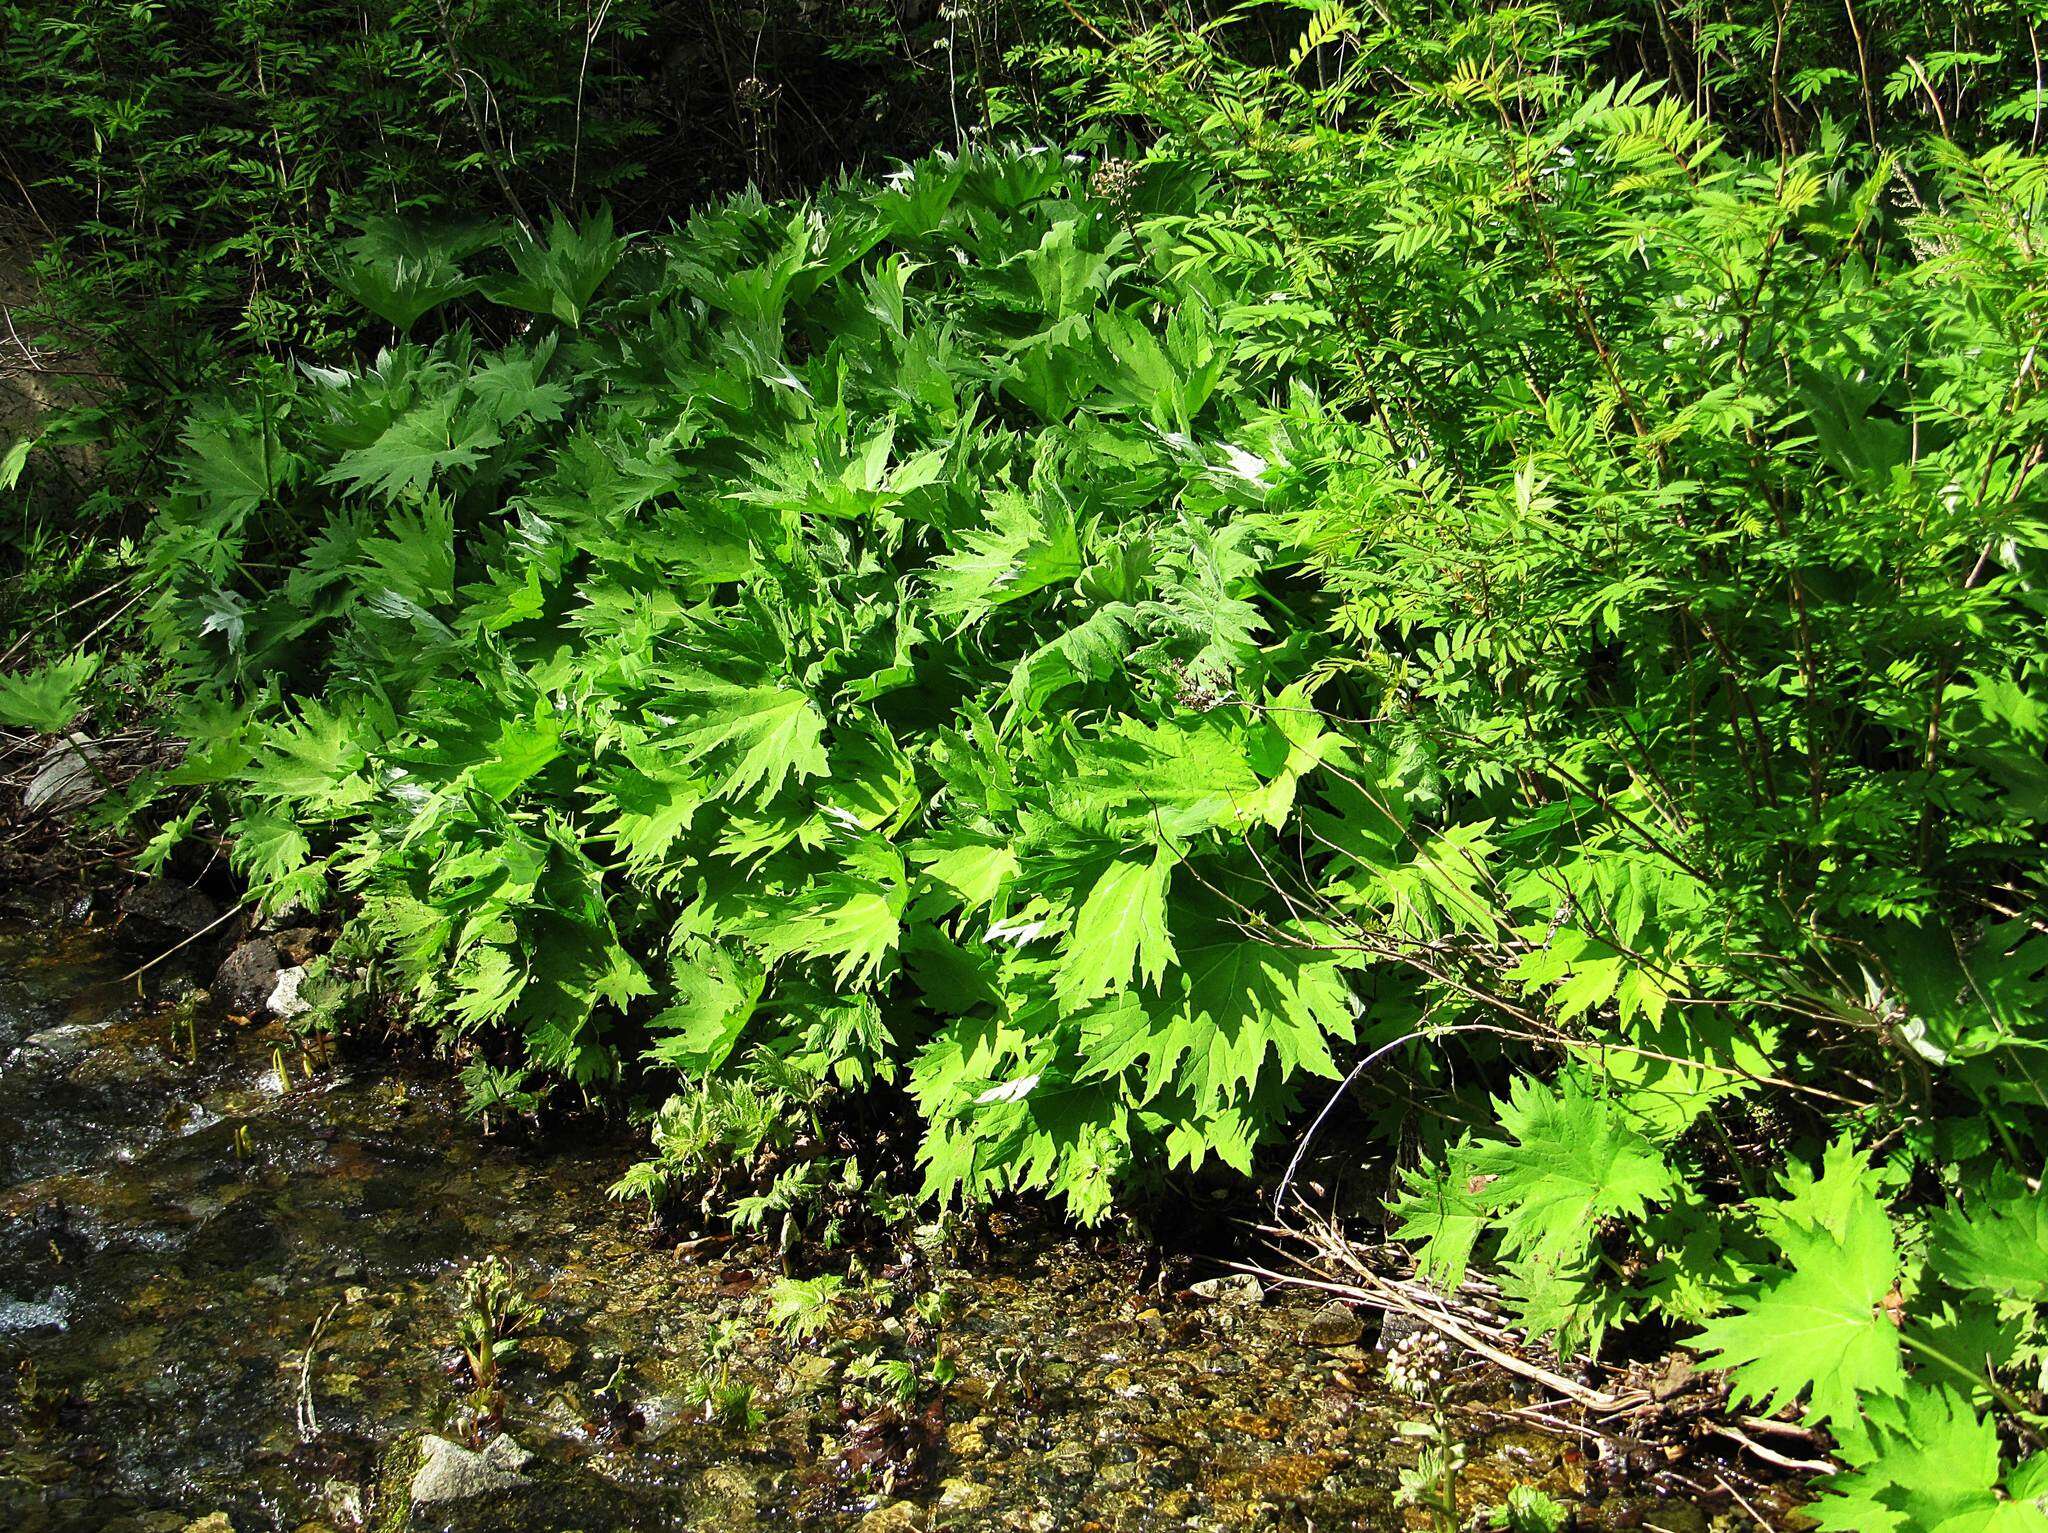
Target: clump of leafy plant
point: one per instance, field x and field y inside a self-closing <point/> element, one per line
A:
<point x="491" y="1315"/>
<point x="747" y="1144"/>
<point x="37" y="1406"/>
<point x="878" y="1382"/>
<point x="804" y="1308"/>
<point x="726" y="1401"/>
<point x="732" y="827"/>
<point x="1529" y="1509"/>
<point x="177" y="176"/>
<point x="884" y="1385"/>
<point x="891" y="1386"/>
<point x="1678" y="504"/>
<point x="697" y="1137"/>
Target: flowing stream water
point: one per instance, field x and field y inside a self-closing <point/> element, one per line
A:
<point x="226" y="1301"/>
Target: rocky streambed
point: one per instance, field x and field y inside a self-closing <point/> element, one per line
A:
<point x="228" y="1301"/>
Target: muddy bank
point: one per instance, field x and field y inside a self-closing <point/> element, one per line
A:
<point x="228" y="1286"/>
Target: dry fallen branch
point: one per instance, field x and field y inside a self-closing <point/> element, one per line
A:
<point x="1365" y="1286"/>
<point x="1621" y="1413"/>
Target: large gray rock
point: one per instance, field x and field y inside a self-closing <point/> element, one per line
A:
<point x="248" y="976"/>
<point x="163" y="911"/>
<point x="450" y="1472"/>
<point x="65" y="1042"/>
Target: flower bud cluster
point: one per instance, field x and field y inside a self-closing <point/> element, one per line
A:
<point x="1116" y="183"/>
<point x="1417" y="1364"/>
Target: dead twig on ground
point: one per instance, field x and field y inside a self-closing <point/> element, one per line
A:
<point x="1623" y="1412"/>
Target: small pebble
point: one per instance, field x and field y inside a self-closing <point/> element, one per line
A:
<point x="1336" y="1324"/>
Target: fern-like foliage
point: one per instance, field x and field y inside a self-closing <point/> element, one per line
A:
<point x="1452" y="566"/>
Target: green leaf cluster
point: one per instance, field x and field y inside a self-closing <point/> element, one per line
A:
<point x="756" y="659"/>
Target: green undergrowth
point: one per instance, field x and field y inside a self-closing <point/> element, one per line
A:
<point x="1685" y="533"/>
<point x="1438" y="573"/>
<point x="174" y="178"/>
<point x="769" y="653"/>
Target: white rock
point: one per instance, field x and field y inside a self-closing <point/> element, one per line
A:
<point x="284" y="995"/>
<point x="450" y="1472"/>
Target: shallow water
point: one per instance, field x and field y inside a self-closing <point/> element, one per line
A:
<point x="219" y="1295"/>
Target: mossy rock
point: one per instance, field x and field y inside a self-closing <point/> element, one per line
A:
<point x="549" y="1495"/>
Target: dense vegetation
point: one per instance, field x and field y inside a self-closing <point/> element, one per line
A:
<point x="173" y="178"/>
<point x="1416" y="556"/>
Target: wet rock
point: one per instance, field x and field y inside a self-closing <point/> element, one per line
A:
<point x="296" y="944"/>
<point x="970" y="1390"/>
<point x="727" y="1492"/>
<point x="553" y="1353"/>
<point x="1118" y="1471"/>
<point x="812" y="1371"/>
<point x="68" y="779"/>
<point x="665" y="1412"/>
<point x="247" y="976"/>
<point x="1071" y="1460"/>
<point x="1336" y="1324"/>
<point x="958" y="1495"/>
<point x="450" y="1472"/>
<point x="166" y="911"/>
<point x="968" y="1439"/>
<point x="284" y="1000"/>
<point x="64" y="1043"/>
<point x="900" y="1517"/>
<point x="18" y="1317"/>
<point x="1232" y="1288"/>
